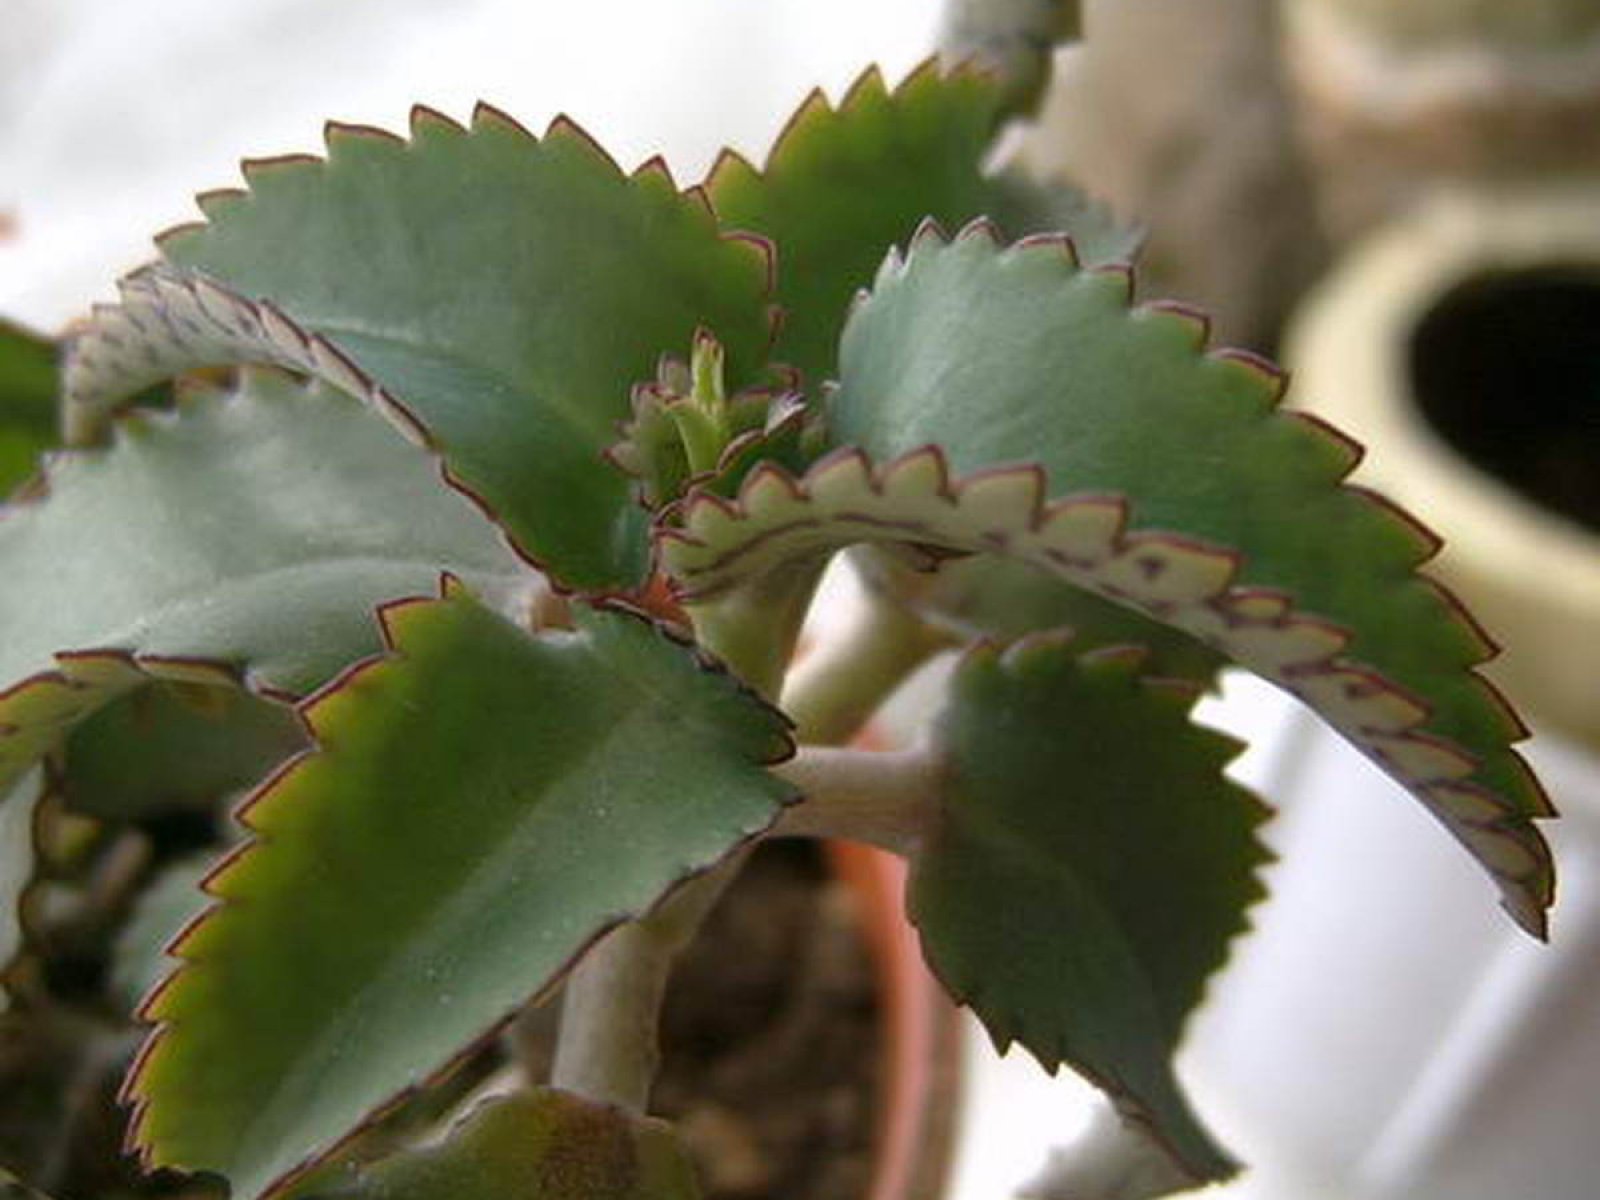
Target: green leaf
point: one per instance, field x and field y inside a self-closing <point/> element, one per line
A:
<point x="243" y="539"/>
<point x="544" y="1145"/>
<point x="496" y="293"/>
<point x="27" y="402"/>
<point x="1101" y="445"/>
<point x="844" y="184"/>
<point x="1086" y="869"/>
<point x="173" y="745"/>
<point x="485" y="804"/>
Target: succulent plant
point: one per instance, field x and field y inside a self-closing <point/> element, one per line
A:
<point x="462" y="497"/>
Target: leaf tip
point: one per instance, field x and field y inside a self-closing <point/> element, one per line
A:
<point x="423" y="121"/>
<point x="486" y="116"/>
<point x="563" y="129"/>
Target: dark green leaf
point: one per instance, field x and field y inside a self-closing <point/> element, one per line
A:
<point x="844" y="184"/>
<point x="1100" y="445"/>
<point x="484" y="805"/>
<point x="498" y="293"/>
<point x="1087" y="868"/>
<point x="1010" y="356"/>
<point x="174" y="745"/>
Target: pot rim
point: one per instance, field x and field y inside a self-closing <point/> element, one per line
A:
<point x="1518" y="562"/>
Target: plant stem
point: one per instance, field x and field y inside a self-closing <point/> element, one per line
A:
<point x="754" y="628"/>
<point x="608" y="1048"/>
<point x="874" y="796"/>
<point x="835" y="688"/>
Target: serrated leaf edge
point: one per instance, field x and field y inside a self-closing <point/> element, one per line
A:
<point x="1011" y="658"/>
<point x="84" y="680"/>
<point x="710" y="545"/>
<point x="170" y="320"/>
<point x="868" y="85"/>
<point x="137" y="1101"/>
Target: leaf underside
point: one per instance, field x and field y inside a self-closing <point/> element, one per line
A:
<point x="484" y="804"/>
<point x="543" y="1145"/>
<point x="170" y="746"/>
<point x="168" y="903"/>
<point x="1005" y="401"/>
<point x="843" y="184"/>
<point x="494" y="293"/>
<point x="245" y="538"/>
<point x="990" y="595"/>
<point x="1087" y="868"/>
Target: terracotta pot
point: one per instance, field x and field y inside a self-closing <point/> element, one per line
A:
<point x="922" y="1034"/>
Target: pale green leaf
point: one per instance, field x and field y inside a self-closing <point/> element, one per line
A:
<point x="16" y="860"/>
<point x="245" y="538"/>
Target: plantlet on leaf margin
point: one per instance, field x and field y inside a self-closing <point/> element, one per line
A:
<point x="685" y="430"/>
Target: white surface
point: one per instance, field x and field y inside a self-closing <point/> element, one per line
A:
<point x="112" y="115"/>
<point x="1386" y="1030"/>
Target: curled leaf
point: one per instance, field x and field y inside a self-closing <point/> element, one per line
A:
<point x="1004" y="401"/>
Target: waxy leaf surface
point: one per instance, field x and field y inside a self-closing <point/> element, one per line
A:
<point x="244" y="538"/>
<point x="496" y="293"/>
<point x="1005" y="401"/>
<point x="1086" y="870"/>
<point x="545" y="1145"/>
<point x="484" y="804"/>
<point x="844" y="184"/>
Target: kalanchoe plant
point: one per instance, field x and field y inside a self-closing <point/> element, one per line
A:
<point x="481" y="520"/>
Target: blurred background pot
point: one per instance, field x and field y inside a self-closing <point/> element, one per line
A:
<point x="1174" y="113"/>
<point x="1384" y="1028"/>
<point x="1394" y="96"/>
<point x="1463" y="349"/>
